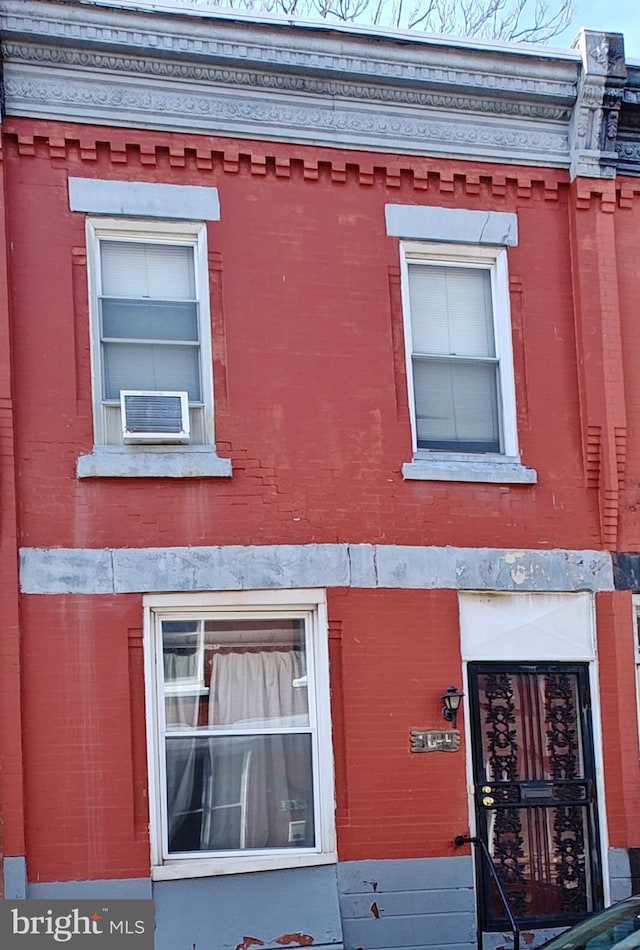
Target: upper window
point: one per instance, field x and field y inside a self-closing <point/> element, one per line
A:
<point x="460" y="368"/>
<point x="152" y="369"/>
<point x="150" y="327"/>
<point x="240" y="756"/>
<point x="455" y="299"/>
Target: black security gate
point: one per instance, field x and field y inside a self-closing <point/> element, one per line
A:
<point x="535" y="794"/>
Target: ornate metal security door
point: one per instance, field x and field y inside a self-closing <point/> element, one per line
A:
<point x="535" y="792"/>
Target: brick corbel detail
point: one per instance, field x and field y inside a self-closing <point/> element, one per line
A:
<point x="141" y="150"/>
<point x="599" y="346"/>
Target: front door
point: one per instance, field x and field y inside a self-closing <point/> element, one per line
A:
<point x="535" y="794"/>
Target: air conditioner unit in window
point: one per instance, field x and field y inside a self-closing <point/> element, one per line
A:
<point x="154" y="416"/>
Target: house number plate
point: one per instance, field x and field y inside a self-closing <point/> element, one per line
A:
<point x="430" y="740"/>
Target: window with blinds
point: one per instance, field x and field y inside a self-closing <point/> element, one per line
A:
<point x="458" y="345"/>
<point x="454" y="363"/>
<point x="150" y="320"/>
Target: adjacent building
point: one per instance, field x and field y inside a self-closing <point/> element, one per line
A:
<point x="318" y="408"/>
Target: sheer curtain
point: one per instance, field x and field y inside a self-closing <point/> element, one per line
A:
<point x="257" y="787"/>
<point x="181" y="710"/>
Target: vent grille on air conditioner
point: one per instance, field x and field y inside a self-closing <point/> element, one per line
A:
<point x="154" y="416"/>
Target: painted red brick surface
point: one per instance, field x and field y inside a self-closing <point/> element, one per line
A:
<point x="398" y="649"/>
<point x="310" y="378"/>
<point x="618" y="694"/>
<point x="11" y="771"/>
<point x="85" y="793"/>
<point x="311" y="407"/>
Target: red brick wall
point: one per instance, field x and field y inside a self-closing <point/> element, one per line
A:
<point x="399" y="650"/>
<point x="311" y="389"/>
<point x="312" y="408"/>
<point x="627" y="276"/>
<point x="84" y="738"/>
<point x="392" y="654"/>
<point x="618" y="697"/>
<point x="11" y="798"/>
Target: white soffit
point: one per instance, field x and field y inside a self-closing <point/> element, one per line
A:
<point x="524" y="627"/>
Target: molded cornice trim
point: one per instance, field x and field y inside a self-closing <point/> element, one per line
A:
<point x="105" y="65"/>
<point x="141" y="67"/>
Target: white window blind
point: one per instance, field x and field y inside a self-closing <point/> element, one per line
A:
<point x="454" y="363"/>
<point x="156" y="271"/>
<point x="148" y="318"/>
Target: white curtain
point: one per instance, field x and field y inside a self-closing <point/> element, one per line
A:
<point x="256" y="689"/>
<point x="256" y="785"/>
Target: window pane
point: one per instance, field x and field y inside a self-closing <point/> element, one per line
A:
<point x="156" y="271"/>
<point x="456" y="405"/>
<point x="239" y="792"/>
<point x="451" y="310"/>
<point x="183" y="666"/>
<point x="149" y="320"/>
<point x="254" y="676"/>
<point x="149" y="366"/>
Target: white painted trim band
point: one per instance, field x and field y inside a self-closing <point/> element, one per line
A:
<point x="290" y="566"/>
<point x="457" y="225"/>
<point x="144" y="199"/>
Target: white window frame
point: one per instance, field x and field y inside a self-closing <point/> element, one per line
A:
<point x="190" y="685"/>
<point x="503" y="466"/>
<point x="149" y="210"/>
<point x="306" y="604"/>
<point x="136" y="231"/>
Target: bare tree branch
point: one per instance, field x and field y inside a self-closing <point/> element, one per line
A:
<point x="532" y="21"/>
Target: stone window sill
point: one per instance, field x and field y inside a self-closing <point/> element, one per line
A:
<point x="497" y="470"/>
<point x="153" y="462"/>
<point x="209" y="867"/>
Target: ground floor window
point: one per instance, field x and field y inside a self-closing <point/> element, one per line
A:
<point x="240" y="754"/>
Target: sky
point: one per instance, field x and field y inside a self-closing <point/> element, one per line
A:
<point x="611" y="16"/>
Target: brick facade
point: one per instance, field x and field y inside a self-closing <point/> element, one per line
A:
<point x="312" y="410"/>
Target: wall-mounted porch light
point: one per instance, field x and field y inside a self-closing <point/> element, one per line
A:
<point x="451" y="703"/>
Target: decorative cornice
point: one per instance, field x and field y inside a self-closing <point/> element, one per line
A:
<point x="468" y="100"/>
<point x="595" y="120"/>
<point x="221" y="110"/>
<point x="103" y="64"/>
<point x="287" y="48"/>
<point x="110" y="66"/>
<point x="628" y="141"/>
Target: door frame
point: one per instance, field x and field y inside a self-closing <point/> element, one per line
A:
<point x="593" y="849"/>
<point x="513" y="645"/>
